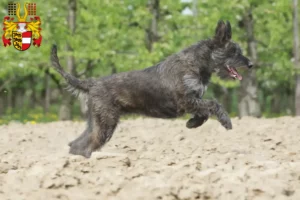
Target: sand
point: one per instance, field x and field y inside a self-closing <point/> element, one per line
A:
<point x="149" y="159"/>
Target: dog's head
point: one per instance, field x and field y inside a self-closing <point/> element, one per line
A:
<point x="227" y="55"/>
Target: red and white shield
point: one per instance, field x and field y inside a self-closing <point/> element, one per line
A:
<point x="26" y="40"/>
<point x="22" y="41"/>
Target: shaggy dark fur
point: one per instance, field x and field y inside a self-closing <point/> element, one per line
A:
<point x="169" y="89"/>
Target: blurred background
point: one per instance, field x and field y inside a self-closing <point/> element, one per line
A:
<point x="101" y="37"/>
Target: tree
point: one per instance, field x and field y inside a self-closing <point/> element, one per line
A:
<point x="151" y="31"/>
<point x="296" y="56"/>
<point x="248" y="102"/>
<point x="66" y="106"/>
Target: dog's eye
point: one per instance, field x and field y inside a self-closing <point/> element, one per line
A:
<point x="238" y="52"/>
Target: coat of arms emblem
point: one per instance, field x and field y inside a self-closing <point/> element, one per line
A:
<point x="21" y="33"/>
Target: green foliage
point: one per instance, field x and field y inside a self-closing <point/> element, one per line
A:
<point x="111" y="34"/>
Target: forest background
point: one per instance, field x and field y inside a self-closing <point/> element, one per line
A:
<point x="99" y="38"/>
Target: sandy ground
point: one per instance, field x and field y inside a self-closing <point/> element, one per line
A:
<point x="151" y="159"/>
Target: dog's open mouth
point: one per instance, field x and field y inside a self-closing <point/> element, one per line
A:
<point x="233" y="73"/>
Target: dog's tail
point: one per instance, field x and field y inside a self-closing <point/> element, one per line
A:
<point x="74" y="83"/>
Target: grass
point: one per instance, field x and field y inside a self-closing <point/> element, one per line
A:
<point x="37" y="115"/>
<point x="32" y="116"/>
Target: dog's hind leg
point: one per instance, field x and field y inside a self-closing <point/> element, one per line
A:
<point x="89" y="123"/>
<point x="87" y="131"/>
<point x="103" y="127"/>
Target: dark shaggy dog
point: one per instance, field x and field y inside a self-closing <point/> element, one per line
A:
<point x="166" y="90"/>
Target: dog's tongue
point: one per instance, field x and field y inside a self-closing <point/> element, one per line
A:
<point x="233" y="73"/>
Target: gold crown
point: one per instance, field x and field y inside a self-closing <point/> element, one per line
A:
<point x="22" y="19"/>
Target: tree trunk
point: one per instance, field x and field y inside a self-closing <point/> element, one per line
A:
<point x="195" y="10"/>
<point x="248" y="98"/>
<point x="113" y="68"/>
<point x="3" y="100"/>
<point x="65" y="112"/>
<point x="19" y="98"/>
<point x="83" y="101"/>
<point x="2" y="103"/>
<point x="226" y="99"/>
<point x="296" y="56"/>
<point x="151" y="32"/>
<point x="276" y="102"/>
<point x="32" y="100"/>
<point x="47" y="92"/>
<point x="10" y="98"/>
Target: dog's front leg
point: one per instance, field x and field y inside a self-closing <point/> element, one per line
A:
<point x="196" y="121"/>
<point x="203" y="107"/>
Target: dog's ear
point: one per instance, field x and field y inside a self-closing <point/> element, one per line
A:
<point x="228" y="31"/>
<point x="223" y="32"/>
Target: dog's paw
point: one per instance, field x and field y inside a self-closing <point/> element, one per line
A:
<point x="82" y="152"/>
<point x="196" y="121"/>
<point x="225" y="120"/>
<point x="81" y="147"/>
<point x="227" y="124"/>
<point x="223" y="116"/>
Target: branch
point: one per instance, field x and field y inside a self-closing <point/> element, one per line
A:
<point x="89" y="66"/>
<point x="258" y="63"/>
<point x="54" y="79"/>
<point x="6" y="82"/>
<point x="261" y="43"/>
<point x="126" y="52"/>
